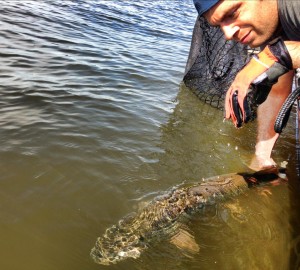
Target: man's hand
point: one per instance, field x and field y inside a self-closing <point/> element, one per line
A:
<point x="254" y="82"/>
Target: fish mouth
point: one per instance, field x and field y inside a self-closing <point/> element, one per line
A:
<point x="108" y="257"/>
<point x="117" y="245"/>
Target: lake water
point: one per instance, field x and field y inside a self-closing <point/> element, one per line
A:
<point x="94" y="122"/>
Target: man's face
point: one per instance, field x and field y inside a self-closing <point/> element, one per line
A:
<point x="251" y="22"/>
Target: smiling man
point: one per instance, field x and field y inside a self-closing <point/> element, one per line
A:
<point x="273" y="25"/>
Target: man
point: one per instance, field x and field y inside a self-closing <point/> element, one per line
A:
<point x="275" y="26"/>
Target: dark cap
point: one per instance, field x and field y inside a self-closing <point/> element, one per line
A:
<point x="204" y="5"/>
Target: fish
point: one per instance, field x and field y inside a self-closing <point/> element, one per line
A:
<point x="165" y="214"/>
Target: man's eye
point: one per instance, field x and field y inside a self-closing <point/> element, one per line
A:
<point x="232" y="14"/>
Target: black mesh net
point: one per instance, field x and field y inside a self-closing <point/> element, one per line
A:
<point x="213" y="63"/>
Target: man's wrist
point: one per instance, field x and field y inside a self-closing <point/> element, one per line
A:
<point x="278" y="48"/>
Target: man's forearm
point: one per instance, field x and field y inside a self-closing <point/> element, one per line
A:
<point x="294" y="50"/>
<point x="267" y="112"/>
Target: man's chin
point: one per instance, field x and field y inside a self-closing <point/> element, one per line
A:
<point x="254" y="45"/>
<point x="258" y="42"/>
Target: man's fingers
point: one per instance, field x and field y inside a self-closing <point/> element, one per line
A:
<point x="234" y="109"/>
<point x="237" y="110"/>
<point x="241" y="99"/>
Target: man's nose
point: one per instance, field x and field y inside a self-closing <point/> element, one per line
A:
<point x="229" y="30"/>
